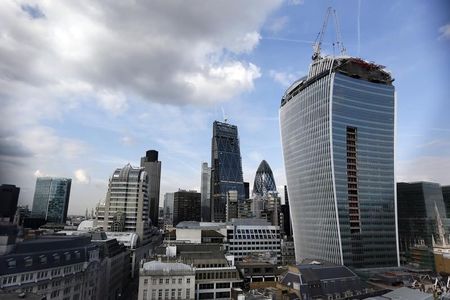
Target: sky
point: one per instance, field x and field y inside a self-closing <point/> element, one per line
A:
<point x="88" y="86"/>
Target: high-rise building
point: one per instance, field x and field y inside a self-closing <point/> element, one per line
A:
<point x="246" y="190"/>
<point x="152" y="166"/>
<point x="287" y="226"/>
<point x="226" y="168"/>
<point x="51" y="199"/>
<point x="446" y="196"/>
<point x="168" y="208"/>
<point x="419" y="204"/>
<point x="264" y="181"/>
<point x="337" y="130"/>
<point x="9" y="196"/>
<point x="126" y="208"/>
<point x="186" y="206"/>
<point x="206" y="192"/>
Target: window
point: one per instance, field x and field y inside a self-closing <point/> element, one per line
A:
<point x="159" y="294"/>
<point x="154" y="281"/>
<point x="145" y="281"/>
<point x="172" y="293"/>
<point x="179" y="293"/>
<point x="166" y="294"/>
<point x="144" y="295"/>
<point x="167" y="280"/>
<point x="180" y="280"/>
<point x="188" y="293"/>
<point x="188" y="280"/>
<point x="28" y="261"/>
<point x="174" y="280"/>
<point x="161" y="281"/>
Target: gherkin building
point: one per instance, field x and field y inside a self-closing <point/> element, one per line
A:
<point x="264" y="181"/>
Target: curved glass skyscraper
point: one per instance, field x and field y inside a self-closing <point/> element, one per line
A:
<point x="264" y="181"/>
<point x="337" y="129"/>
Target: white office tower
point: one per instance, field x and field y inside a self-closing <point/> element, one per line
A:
<point x="206" y="192"/>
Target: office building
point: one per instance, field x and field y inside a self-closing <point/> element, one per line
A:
<point x="186" y="206"/>
<point x="166" y="280"/>
<point x="419" y="206"/>
<point x="446" y="197"/>
<point x="226" y="168"/>
<point x="51" y="199"/>
<point x="152" y="166"/>
<point x="126" y="208"/>
<point x="206" y="192"/>
<point x="232" y="205"/>
<point x="285" y="210"/>
<point x="58" y="267"/>
<point x="264" y="181"/>
<point x="337" y="131"/>
<point x="9" y="196"/>
<point x="248" y="238"/>
<point x="246" y="190"/>
<point x="168" y="208"/>
<point x="326" y="281"/>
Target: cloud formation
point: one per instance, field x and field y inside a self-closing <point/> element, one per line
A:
<point x="81" y="176"/>
<point x="444" y="32"/>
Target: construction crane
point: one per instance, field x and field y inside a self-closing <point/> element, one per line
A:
<point x="318" y="42"/>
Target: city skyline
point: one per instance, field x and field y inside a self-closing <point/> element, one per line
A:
<point x="97" y="122"/>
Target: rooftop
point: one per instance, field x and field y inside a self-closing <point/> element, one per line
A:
<point x="166" y="268"/>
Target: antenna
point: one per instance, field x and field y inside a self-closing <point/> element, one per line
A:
<point x="225" y="119"/>
<point x="318" y="42"/>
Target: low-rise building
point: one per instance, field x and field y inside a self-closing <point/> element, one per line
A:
<point x="247" y="237"/>
<point x="58" y="267"/>
<point x="166" y="280"/>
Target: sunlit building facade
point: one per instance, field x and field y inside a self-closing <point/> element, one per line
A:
<point x="337" y="129"/>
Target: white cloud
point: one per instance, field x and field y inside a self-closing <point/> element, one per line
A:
<point x="81" y="176"/>
<point x="283" y="78"/>
<point x="38" y="173"/>
<point x="278" y="24"/>
<point x="115" y="103"/>
<point x="296" y="2"/>
<point x="444" y="32"/>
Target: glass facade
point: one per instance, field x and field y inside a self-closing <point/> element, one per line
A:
<point x="226" y="168"/>
<point x="51" y="199"/>
<point x="338" y="145"/>
<point x="264" y="181"/>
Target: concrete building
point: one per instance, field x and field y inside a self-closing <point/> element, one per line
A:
<point x="186" y="206"/>
<point x="126" y="208"/>
<point x="166" y="280"/>
<point x="253" y="237"/>
<point x="232" y="207"/>
<point x="325" y="281"/>
<point x="337" y="131"/>
<point x="9" y="196"/>
<point x="152" y="166"/>
<point x="226" y="168"/>
<point x="51" y="199"/>
<point x="58" y="267"/>
<point x="205" y="190"/>
<point x="114" y="273"/>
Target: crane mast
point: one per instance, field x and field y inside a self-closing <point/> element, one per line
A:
<point x="318" y="42"/>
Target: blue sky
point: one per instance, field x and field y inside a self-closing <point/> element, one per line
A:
<point x="86" y="88"/>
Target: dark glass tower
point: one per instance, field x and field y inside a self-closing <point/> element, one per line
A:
<point x="446" y="195"/>
<point x="9" y="196"/>
<point x="51" y="199"/>
<point x="152" y="166"/>
<point x="186" y="206"/>
<point x="264" y="181"/>
<point x="337" y="131"/>
<point x="226" y="168"/>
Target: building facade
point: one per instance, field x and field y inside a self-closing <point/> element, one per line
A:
<point x="51" y="199"/>
<point x="446" y="197"/>
<point x="168" y="208"/>
<point x="57" y="267"/>
<point x="126" y="208"/>
<point x="206" y="192"/>
<point x="186" y="206"/>
<point x="253" y="238"/>
<point x="226" y="168"/>
<point x="166" y="280"/>
<point x="9" y="195"/>
<point x="337" y="130"/>
<point x="152" y="166"/>
<point x="419" y="205"/>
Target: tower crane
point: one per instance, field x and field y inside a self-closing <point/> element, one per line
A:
<point x="318" y="42"/>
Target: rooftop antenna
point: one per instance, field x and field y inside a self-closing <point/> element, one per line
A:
<point x="225" y="119"/>
<point x="318" y="42"/>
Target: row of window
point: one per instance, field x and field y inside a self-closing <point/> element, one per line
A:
<point x="156" y="281"/>
<point x="168" y="294"/>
